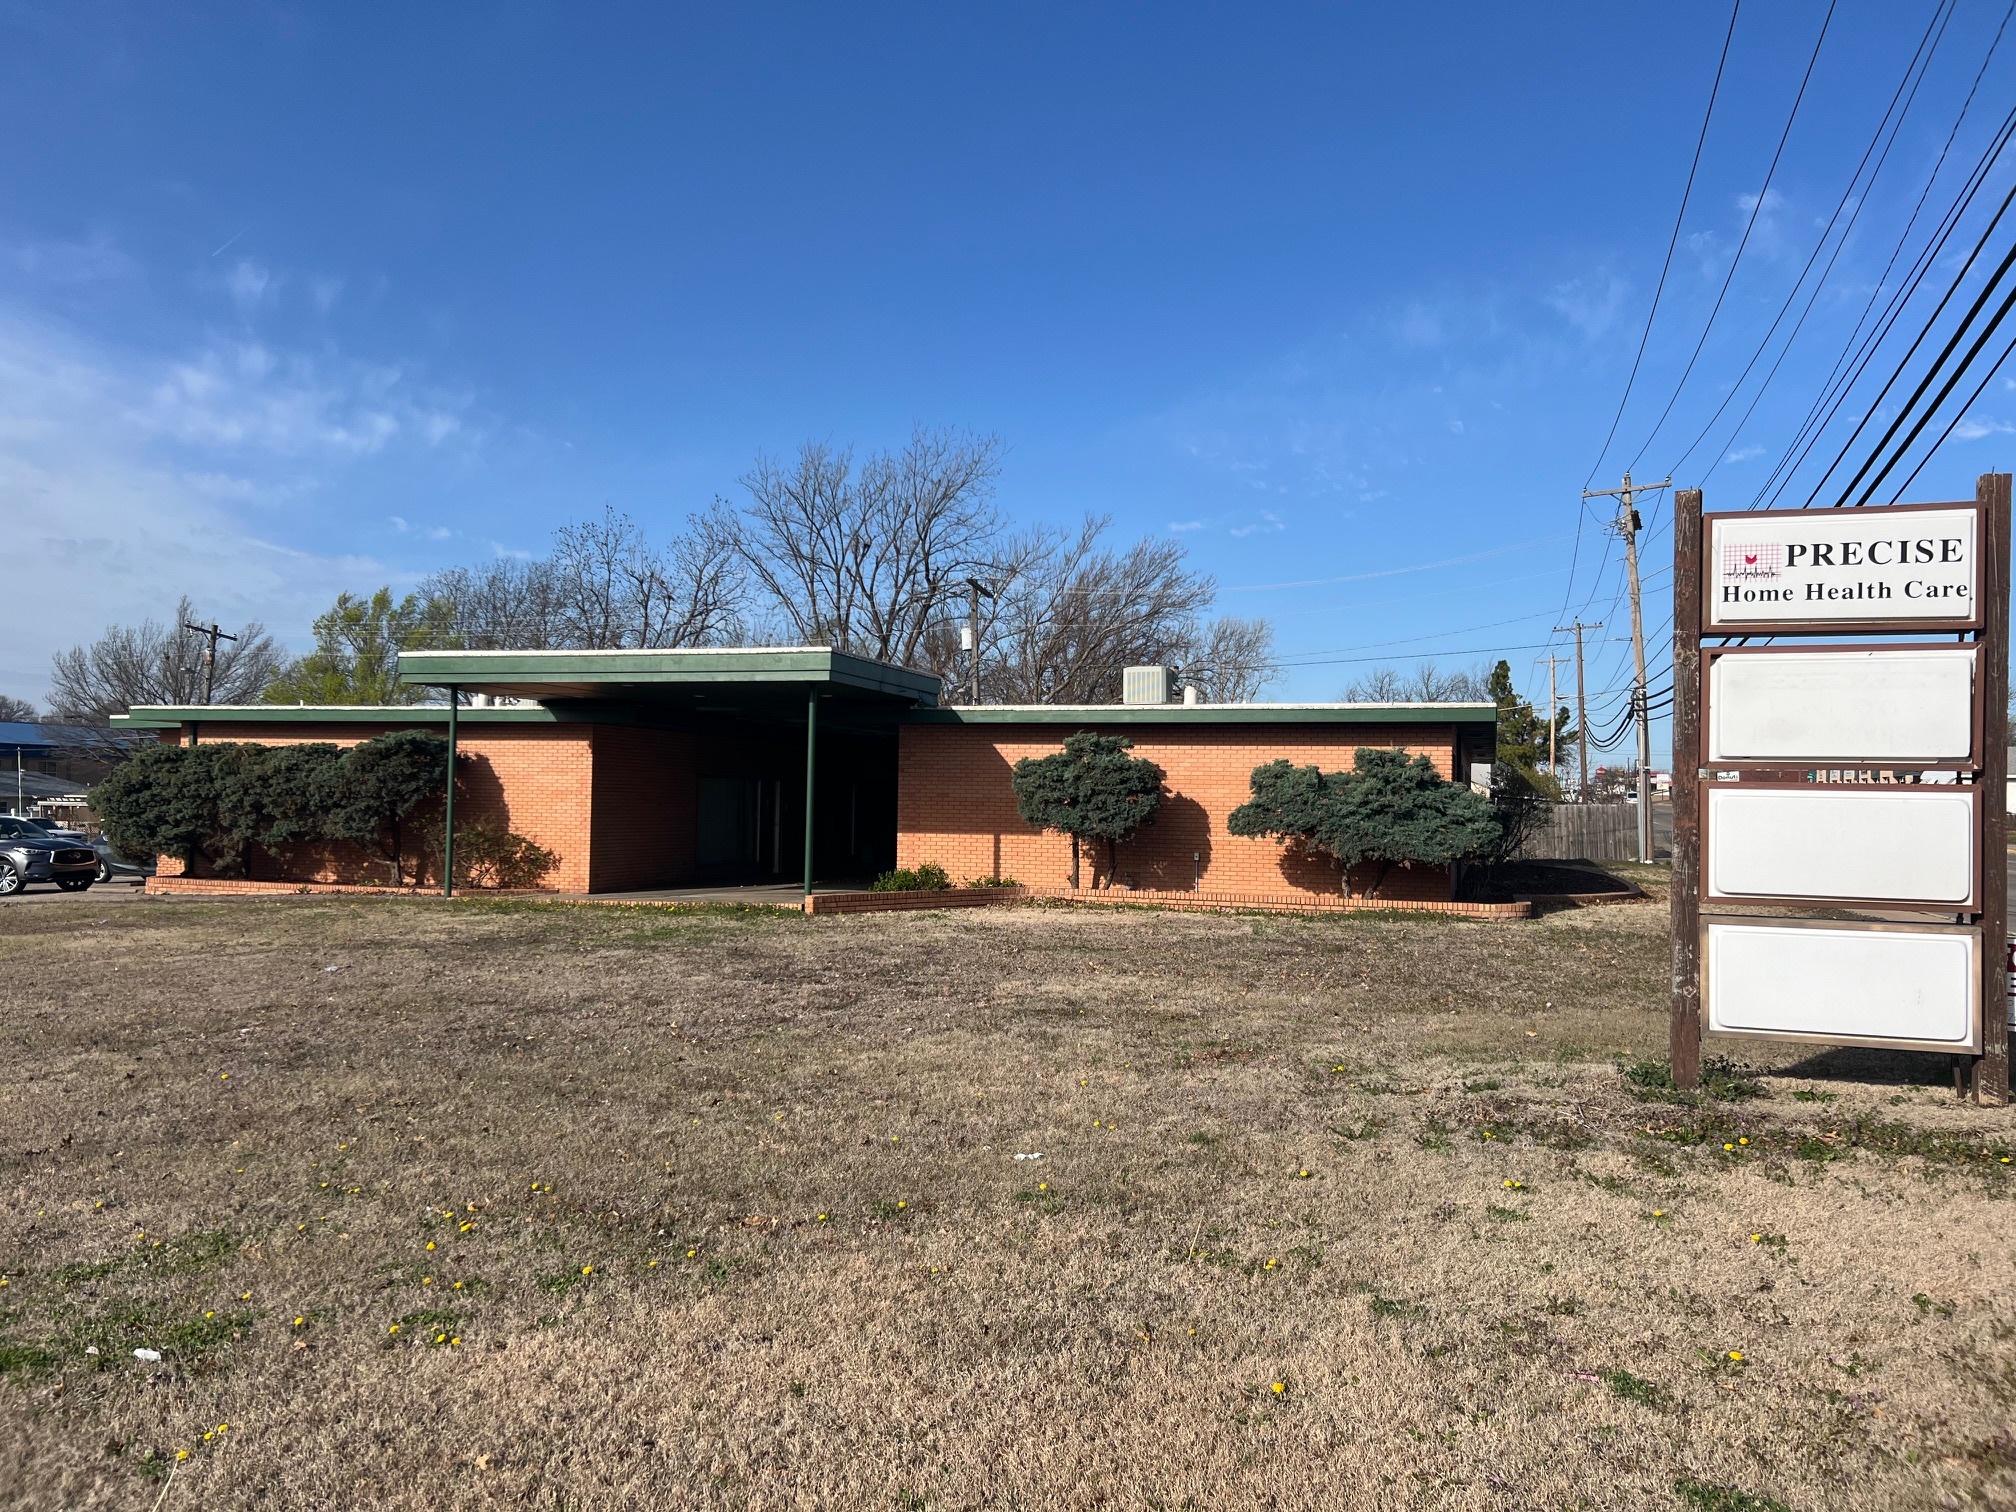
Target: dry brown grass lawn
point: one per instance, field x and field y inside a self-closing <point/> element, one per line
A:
<point x="718" y="1211"/>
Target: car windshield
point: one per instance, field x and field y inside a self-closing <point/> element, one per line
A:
<point x="21" y="829"/>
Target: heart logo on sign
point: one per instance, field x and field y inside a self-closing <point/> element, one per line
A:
<point x="1750" y="561"/>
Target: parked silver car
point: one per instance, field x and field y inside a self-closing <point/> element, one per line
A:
<point x="110" y="863"/>
<point x="29" y="853"/>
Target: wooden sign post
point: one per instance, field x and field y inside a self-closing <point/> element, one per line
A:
<point x="1866" y="775"/>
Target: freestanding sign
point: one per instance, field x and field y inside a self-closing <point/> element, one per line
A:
<point x="1852" y="778"/>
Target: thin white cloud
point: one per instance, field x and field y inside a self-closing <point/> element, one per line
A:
<point x="93" y="260"/>
<point x="1744" y="454"/>
<point x="1971" y="429"/>
<point x="248" y="284"/>
<point x="1182" y="525"/>
<point x="1267" y="524"/>
<point x="130" y="478"/>
<point x="1591" y="305"/>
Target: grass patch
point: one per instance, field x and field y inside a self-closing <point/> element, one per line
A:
<point x="1627" y="1387"/>
<point x="1708" y="1498"/>
<point x="605" y="1088"/>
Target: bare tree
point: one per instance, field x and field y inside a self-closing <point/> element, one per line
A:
<point x="506" y="605"/>
<point x="1426" y="683"/>
<point x="1072" y="614"/>
<point x="17" y="710"/>
<point x="604" y="587"/>
<point x="150" y="663"/>
<point x="615" y="591"/>
<point x="1231" y="660"/>
<point x="867" y="561"/>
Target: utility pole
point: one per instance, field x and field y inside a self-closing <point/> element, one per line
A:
<point x="1628" y="525"/>
<point x="1553" y="720"/>
<point x="1581" y="710"/>
<point x="209" y="657"/>
<point x="977" y="590"/>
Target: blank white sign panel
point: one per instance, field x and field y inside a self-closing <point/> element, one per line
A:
<point x="1913" y="706"/>
<point x="1843" y="982"/>
<point x="1894" y="844"/>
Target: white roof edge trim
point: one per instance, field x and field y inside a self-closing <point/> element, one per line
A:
<point x="1100" y="708"/>
<point x="649" y="651"/>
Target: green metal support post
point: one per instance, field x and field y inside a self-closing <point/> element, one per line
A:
<point x="448" y="815"/>
<point x="811" y="770"/>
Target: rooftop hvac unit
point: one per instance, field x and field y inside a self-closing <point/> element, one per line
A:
<point x="1146" y="685"/>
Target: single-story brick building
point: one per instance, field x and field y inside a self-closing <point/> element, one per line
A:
<point x="656" y="769"/>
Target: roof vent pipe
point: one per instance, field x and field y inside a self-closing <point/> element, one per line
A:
<point x="1190" y="697"/>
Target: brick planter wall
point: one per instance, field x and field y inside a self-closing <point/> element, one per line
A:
<point x="909" y="902"/>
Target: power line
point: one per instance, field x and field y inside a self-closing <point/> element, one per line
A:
<point x="1943" y="10"/>
<point x="1917" y="341"/>
<point x="1749" y="225"/>
<point x="1672" y="242"/>
<point x="1810" y="429"/>
<point x="1958" y="416"/>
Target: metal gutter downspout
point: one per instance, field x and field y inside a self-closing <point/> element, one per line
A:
<point x="448" y="814"/>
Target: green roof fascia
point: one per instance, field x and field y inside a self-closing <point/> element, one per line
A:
<point x="815" y="664"/>
<point x="174" y="716"/>
<point x="1210" y="714"/>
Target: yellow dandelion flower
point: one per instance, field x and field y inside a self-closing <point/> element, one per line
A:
<point x="244" y="1296"/>
<point x="393" y="1329"/>
<point x="1728" y="1147"/>
<point x="430" y="1244"/>
<point x="300" y="1322"/>
<point x="651" y="1264"/>
<point x="454" y="1343"/>
<point x="823" y="1218"/>
<point x="587" y="1270"/>
<point x="902" y="1205"/>
<point x="1736" y="1355"/>
<point x="1280" y="1388"/>
<point x="458" y="1286"/>
<point x="1756" y="1238"/>
<point x="1743" y="1139"/>
<point x="181" y="1454"/>
<point x="223" y="1427"/>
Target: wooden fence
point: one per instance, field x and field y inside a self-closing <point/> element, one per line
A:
<point x="1586" y="832"/>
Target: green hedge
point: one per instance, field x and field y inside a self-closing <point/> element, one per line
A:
<point x="211" y="805"/>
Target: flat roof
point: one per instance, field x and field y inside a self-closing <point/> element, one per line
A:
<point x="1209" y="714"/>
<point x="568" y="710"/>
<point x="652" y="675"/>
<point x="173" y="716"/>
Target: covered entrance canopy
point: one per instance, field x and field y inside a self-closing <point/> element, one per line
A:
<point x="795" y="741"/>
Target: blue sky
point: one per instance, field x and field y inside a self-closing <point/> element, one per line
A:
<point x="294" y="299"/>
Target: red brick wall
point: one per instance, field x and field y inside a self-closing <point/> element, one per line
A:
<point x="531" y="779"/>
<point x="955" y="806"/>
